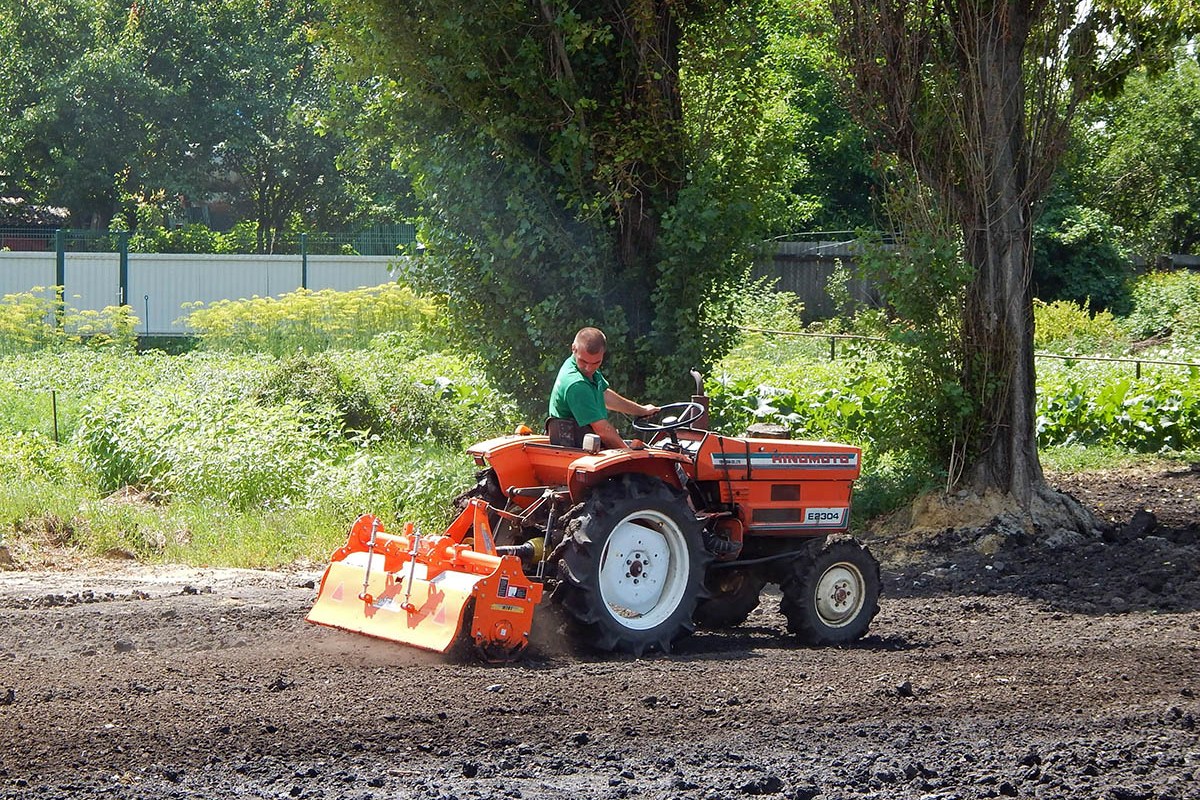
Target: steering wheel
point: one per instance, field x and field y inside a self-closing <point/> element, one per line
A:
<point x="671" y="417"/>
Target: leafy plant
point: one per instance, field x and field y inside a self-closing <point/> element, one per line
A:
<point x="315" y="384"/>
<point x="1088" y="406"/>
<point x="1165" y="304"/>
<point x="39" y="319"/>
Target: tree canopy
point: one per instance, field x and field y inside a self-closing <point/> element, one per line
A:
<point x="582" y="163"/>
<point x="107" y="105"/>
<point x="1137" y="158"/>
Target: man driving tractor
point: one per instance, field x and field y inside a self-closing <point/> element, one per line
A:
<point x="581" y="398"/>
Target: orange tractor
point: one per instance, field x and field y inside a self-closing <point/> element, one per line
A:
<point x="635" y="547"/>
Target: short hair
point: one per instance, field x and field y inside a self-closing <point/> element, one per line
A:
<point x="591" y="340"/>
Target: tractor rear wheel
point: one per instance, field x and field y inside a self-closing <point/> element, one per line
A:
<point x="831" y="597"/>
<point x="633" y="566"/>
<point x="734" y="593"/>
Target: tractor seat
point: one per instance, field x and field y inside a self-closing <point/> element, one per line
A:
<point x="566" y="432"/>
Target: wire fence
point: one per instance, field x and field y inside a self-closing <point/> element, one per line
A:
<point x="834" y="338"/>
<point x="378" y="240"/>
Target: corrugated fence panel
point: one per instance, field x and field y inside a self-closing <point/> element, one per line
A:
<point x="91" y="280"/>
<point x="161" y="283"/>
<point x="348" y="272"/>
<point x="20" y="272"/>
<point x="804" y="269"/>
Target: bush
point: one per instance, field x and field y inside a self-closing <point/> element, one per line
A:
<point x="1165" y="304"/>
<point x="425" y="396"/>
<point x="33" y="456"/>
<point x="1076" y="257"/>
<point x="202" y="438"/>
<point x="1064" y="326"/>
<point x="317" y="386"/>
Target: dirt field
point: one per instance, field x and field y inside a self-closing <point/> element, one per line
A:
<point x="1000" y="665"/>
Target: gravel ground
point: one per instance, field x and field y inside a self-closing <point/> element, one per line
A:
<point x="1000" y="665"/>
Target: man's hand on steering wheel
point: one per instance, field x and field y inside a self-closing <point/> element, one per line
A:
<point x="678" y="415"/>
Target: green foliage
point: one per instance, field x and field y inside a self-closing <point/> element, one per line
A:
<point x="107" y="105"/>
<point x="847" y="407"/>
<point x="1137" y="154"/>
<point x="31" y="455"/>
<point x="237" y="459"/>
<point x="432" y="397"/>
<point x="210" y="443"/>
<point x="1077" y="258"/>
<point x="1165" y="304"/>
<point x="194" y="238"/>
<point x="317" y="386"/>
<point x="833" y="179"/>
<point x="922" y="279"/>
<point x="1157" y="413"/>
<point x="412" y="482"/>
<point x="1064" y="327"/>
<point x="588" y="164"/>
<point x="308" y="321"/>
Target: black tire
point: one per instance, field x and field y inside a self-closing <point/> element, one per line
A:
<point x="831" y="597"/>
<point x="487" y="488"/>
<point x="733" y="594"/>
<point x="633" y="566"/>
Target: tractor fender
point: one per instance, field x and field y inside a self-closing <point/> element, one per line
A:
<point x="589" y="471"/>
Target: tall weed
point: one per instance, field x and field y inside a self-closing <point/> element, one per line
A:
<point x="41" y="320"/>
<point x="306" y="321"/>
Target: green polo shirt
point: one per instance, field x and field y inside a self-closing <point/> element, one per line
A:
<point x="576" y="397"/>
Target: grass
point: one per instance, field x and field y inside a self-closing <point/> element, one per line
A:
<point x="1077" y="458"/>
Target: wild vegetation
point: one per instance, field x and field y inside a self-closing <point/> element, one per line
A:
<point x="261" y="445"/>
<point x="616" y="164"/>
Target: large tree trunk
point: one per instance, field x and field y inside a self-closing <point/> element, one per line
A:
<point x="997" y="224"/>
<point x="653" y="180"/>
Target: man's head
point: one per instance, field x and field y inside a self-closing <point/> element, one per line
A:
<point x="588" y="350"/>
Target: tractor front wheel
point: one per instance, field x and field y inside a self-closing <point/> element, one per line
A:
<point x="633" y="566"/>
<point x="831" y="597"/>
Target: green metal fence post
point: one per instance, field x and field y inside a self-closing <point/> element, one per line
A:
<point x="123" y="269"/>
<point x="304" y="261"/>
<point x="60" y="276"/>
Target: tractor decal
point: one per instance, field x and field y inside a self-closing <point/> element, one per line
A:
<point x="787" y="460"/>
<point x="820" y="518"/>
<point x="825" y="517"/>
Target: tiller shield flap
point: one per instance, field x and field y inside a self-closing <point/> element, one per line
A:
<point x="430" y="591"/>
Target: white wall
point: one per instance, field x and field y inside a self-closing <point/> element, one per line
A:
<point x="160" y="283"/>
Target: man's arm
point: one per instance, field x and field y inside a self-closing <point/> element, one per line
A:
<point x="615" y="402"/>
<point x="609" y="435"/>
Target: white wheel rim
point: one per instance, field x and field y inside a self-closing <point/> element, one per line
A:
<point x="840" y="594"/>
<point x="644" y="570"/>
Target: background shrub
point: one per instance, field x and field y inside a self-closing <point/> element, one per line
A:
<point x="1067" y="327"/>
<point x="1076" y="257"/>
<point x="1165" y="304"/>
